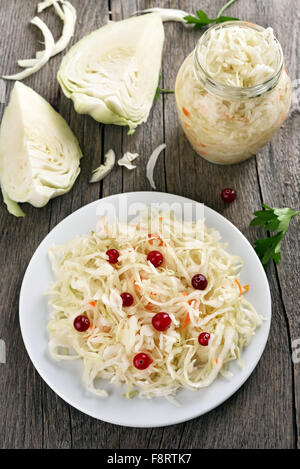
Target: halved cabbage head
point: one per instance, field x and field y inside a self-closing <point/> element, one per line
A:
<point x="39" y="154"/>
<point x="112" y="74"/>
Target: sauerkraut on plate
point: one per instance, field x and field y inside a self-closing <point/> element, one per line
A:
<point x="155" y="310"/>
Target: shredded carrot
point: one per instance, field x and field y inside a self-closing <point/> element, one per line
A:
<point x="138" y="286"/>
<point x="92" y="303"/>
<point x="240" y="286"/>
<point x="185" y="112"/>
<point x="281" y="96"/>
<point x="184" y="293"/>
<point x="203" y="153"/>
<point x="191" y="302"/>
<point x="246" y="287"/>
<point x="186" y="321"/>
<point x="150" y="307"/>
<point x="161" y="218"/>
<point x="217" y="361"/>
<point x="187" y="126"/>
<point x="202" y="145"/>
<point x="150" y="240"/>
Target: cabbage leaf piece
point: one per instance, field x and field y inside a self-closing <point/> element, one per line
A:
<point x="112" y="74"/>
<point x="39" y="154"/>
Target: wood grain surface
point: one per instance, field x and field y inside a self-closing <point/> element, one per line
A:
<point x="265" y="412"/>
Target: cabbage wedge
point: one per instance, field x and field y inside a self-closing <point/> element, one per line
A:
<point x="112" y="74"/>
<point x="39" y="154"/>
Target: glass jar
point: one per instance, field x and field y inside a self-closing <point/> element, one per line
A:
<point x="229" y="124"/>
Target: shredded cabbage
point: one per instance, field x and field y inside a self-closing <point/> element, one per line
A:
<point x="36" y="65"/>
<point x="85" y="283"/>
<point x="152" y="163"/>
<point x="240" y="57"/>
<point x="127" y="160"/>
<point x="104" y="169"/>
<point x="221" y="128"/>
<point x="68" y="15"/>
<point x="169" y="14"/>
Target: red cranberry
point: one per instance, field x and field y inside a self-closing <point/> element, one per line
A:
<point x="203" y="338"/>
<point x="228" y="195"/>
<point x="81" y="323"/>
<point x="161" y="321"/>
<point x="127" y="299"/>
<point x="141" y="361"/>
<point x="156" y="258"/>
<point x="113" y="256"/>
<point x="199" y="282"/>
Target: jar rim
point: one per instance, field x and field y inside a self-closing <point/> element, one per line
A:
<point x="235" y="91"/>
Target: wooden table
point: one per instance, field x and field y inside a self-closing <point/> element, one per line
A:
<point x="265" y="412"/>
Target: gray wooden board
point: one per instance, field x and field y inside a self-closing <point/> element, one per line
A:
<point x="265" y="412"/>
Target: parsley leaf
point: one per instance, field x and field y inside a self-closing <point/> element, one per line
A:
<point x="272" y="219"/>
<point x="222" y="19"/>
<point x="200" y="19"/>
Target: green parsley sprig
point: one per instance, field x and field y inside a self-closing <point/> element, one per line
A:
<point x="201" y="19"/>
<point x="272" y="220"/>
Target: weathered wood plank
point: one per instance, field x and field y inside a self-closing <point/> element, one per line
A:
<point x="279" y="179"/>
<point x="262" y="413"/>
<point x="21" y="423"/>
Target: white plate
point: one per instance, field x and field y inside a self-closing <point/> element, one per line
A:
<point x="65" y="377"/>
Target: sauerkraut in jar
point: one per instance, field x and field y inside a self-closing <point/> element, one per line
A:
<point x="233" y="92"/>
